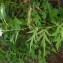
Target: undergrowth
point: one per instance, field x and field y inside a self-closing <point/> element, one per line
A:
<point x="31" y="30"/>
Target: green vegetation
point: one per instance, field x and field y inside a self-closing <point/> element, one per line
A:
<point x="31" y="30"/>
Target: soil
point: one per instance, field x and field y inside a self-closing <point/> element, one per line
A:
<point x="55" y="3"/>
<point x="55" y="57"/>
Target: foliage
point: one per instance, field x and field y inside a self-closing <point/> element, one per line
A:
<point x="31" y="30"/>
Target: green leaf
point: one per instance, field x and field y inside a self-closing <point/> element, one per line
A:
<point x="2" y="11"/>
<point x="31" y="43"/>
<point x="15" y="23"/>
<point x="33" y="38"/>
<point x="47" y="40"/>
<point x="58" y="42"/>
<point x="43" y="44"/>
<point x="44" y="15"/>
<point x="12" y="39"/>
<point x="61" y="32"/>
<point x="61" y="12"/>
<point x="46" y="5"/>
<point x="53" y="13"/>
<point x="56" y="32"/>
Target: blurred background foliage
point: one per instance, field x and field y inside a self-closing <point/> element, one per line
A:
<point x="31" y="30"/>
